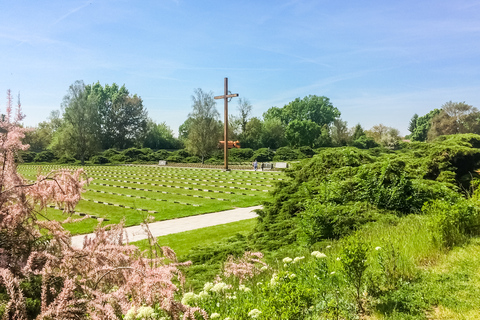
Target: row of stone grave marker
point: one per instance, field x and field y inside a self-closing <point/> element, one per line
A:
<point x="186" y="188"/>
<point x="147" y="198"/>
<point x="128" y="173"/>
<point x="173" y="181"/>
<point x="166" y="192"/>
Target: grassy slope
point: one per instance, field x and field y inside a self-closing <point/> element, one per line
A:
<point x="182" y="242"/>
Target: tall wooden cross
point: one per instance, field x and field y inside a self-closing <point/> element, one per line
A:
<point x="225" y="98"/>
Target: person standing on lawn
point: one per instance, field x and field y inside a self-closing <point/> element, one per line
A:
<point x="255" y="165"/>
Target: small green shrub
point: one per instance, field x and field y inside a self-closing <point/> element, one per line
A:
<point x="99" y="160"/>
<point x="192" y="159"/>
<point x="110" y="153"/>
<point x="66" y="159"/>
<point x="45" y="156"/>
<point x="263" y="155"/>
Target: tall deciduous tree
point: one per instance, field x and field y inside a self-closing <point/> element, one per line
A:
<point x="160" y="136"/>
<point x="302" y="133"/>
<point x="423" y="125"/>
<point x="245" y="108"/>
<point x="205" y="128"/>
<point x="123" y="117"/>
<point x="455" y="117"/>
<point x="80" y="133"/>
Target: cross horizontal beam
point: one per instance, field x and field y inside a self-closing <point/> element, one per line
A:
<point x="226" y="96"/>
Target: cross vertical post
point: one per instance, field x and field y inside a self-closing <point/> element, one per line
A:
<point x="225" y="98"/>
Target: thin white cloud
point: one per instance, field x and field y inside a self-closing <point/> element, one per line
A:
<point x="72" y="12"/>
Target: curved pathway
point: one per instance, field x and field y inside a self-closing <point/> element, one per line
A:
<point x="162" y="228"/>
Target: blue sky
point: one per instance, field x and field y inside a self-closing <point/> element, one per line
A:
<point x="378" y="61"/>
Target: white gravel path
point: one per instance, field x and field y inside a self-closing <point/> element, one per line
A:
<point x="162" y="228"/>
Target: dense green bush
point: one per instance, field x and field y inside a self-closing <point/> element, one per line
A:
<point x="329" y="190"/>
<point x="159" y="155"/>
<point x="239" y="155"/>
<point x="263" y="155"/>
<point x="287" y="154"/>
<point x="27" y="156"/>
<point x="110" y="153"/>
<point x="45" y="156"/>
<point x="66" y="159"/>
<point x="192" y="159"/>
<point x="120" y="158"/>
<point x="99" y="160"/>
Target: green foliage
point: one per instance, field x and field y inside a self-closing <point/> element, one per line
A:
<point x="322" y="221"/>
<point x="287" y="154"/>
<point x="66" y="159"/>
<point x="456" y="221"/>
<point x="422" y="125"/>
<point x="160" y="155"/>
<point x="364" y="142"/>
<point x="99" y="160"/>
<point x="242" y="154"/>
<point x="27" y="156"/>
<point x="44" y="156"/>
<point x="263" y="155"/>
<point x="354" y="263"/>
<point x="192" y="159"/>
<point x="110" y="153"/>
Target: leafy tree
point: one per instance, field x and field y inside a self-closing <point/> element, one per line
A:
<point x="184" y="129"/>
<point x="302" y="133"/>
<point x="273" y="134"/>
<point x="80" y="133"/>
<point x="357" y="132"/>
<point x="317" y="109"/>
<point x="339" y="133"/>
<point x="123" y="117"/>
<point x="386" y="136"/>
<point x="41" y="137"/>
<point x="205" y="129"/>
<point x="253" y="134"/>
<point x="413" y="123"/>
<point x="245" y="108"/>
<point x="454" y="118"/>
<point x="423" y="125"/>
<point x="160" y="136"/>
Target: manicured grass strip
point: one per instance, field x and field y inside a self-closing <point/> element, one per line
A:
<point x="179" y="187"/>
<point x="140" y="197"/>
<point x="182" y="242"/>
<point x="159" y="191"/>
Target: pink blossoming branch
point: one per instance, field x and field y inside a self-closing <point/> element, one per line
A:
<point x="103" y="280"/>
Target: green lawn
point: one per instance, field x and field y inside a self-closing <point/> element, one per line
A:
<point x="182" y="242"/>
<point x="131" y="193"/>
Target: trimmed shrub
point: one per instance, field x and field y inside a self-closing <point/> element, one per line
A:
<point x="99" y="160"/>
<point x="287" y="154"/>
<point x="110" y="153"/>
<point x="66" y="159"/>
<point x="263" y="155"/>
<point x="240" y="155"/>
<point x="192" y="159"/>
<point x="45" y="156"/>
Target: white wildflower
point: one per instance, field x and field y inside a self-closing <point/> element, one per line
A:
<point x="378" y="248"/>
<point x="254" y="313"/>
<point x="145" y="313"/>
<point x="292" y="275"/>
<point x="298" y="259"/>
<point x="318" y="254"/>
<point x="221" y="286"/>
<point x="263" y="268"/>
<point x="207" y="286"/>
<point x="285" y="260"/>
<point x="338" y="259"/>
<point x="244" y="288"/>
<point x="215" y="315"/>
<point x="131" y="314"/>
<point x="188" y="298"/>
